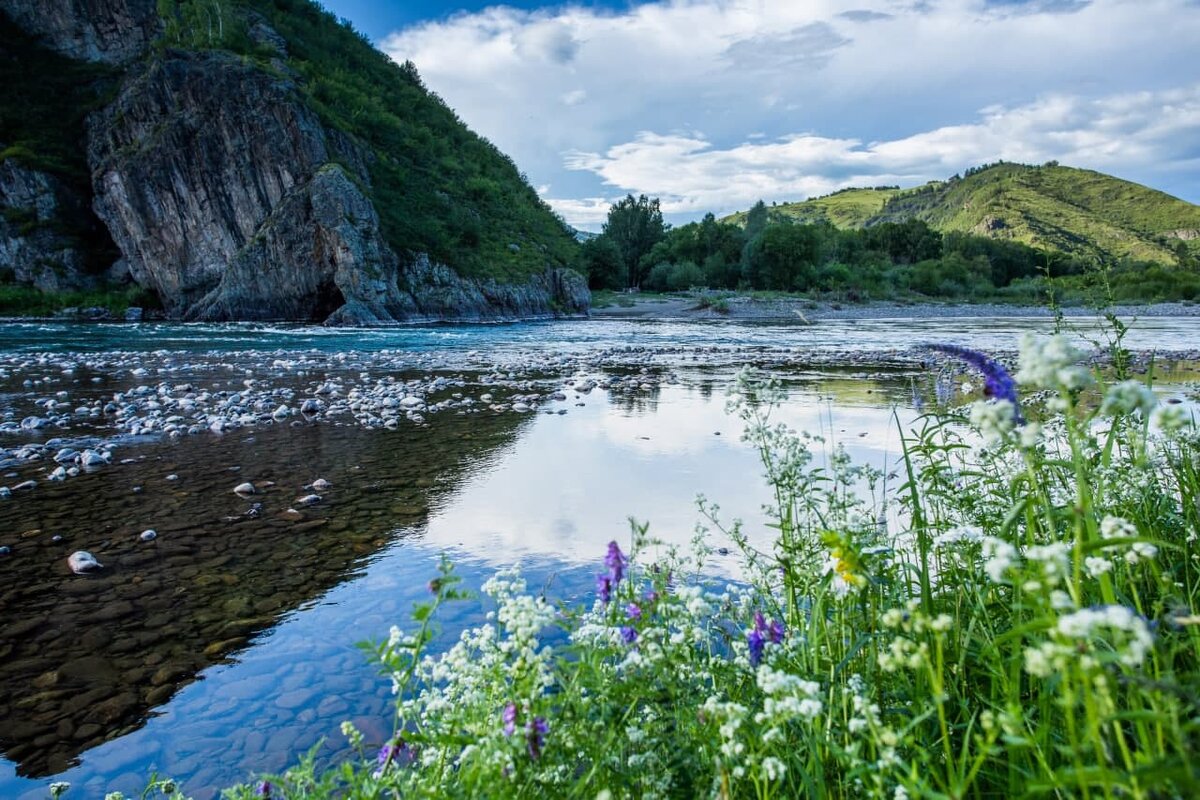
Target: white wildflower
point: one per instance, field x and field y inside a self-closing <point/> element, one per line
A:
<point x="1087" y="624"/>
<point x="1169" y="419"/>
<point x="1141" y="551"/>
<point x="962" y="533"/>
<point x="1127" y="397"/>
<point x="1117" y="528"/>
<point x="1031" y="434"/>
<point x="994" y="419"/>
<point x="1050" y="362"/>
<point x="1097" y="566"/>
<point x="773" y="769"/>
<point x="998" y="558"/>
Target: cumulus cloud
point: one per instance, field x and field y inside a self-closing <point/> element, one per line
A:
<point x="1120" y="132"/>
<point x="666" y="97"/>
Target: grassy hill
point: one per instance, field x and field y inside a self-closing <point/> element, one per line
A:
<point x="1074" y="211"/>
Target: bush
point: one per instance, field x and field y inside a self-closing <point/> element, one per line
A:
<point x="1028" y="629"/>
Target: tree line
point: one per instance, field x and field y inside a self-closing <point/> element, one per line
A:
<point x="637" y="249"/>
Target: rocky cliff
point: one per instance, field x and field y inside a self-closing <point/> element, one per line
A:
<point x="110" y="31"/>
<point x="33" y="247"/>
<point x="233" y="192"/>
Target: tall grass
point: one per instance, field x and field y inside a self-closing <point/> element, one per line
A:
<point x="1014" y="614"/>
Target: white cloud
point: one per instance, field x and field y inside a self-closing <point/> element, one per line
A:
<point x="1140" y="130"/>
<point x="841" y="91"/>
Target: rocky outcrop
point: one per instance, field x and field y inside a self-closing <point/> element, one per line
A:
<point x="110" y="31"/>
<point x="440" y="293"/>
<point x="228" y="197"/>
<point x="36" y="212"/>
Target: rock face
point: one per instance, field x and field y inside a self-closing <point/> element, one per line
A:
<point x="228" y="197"/>
<point x="35" y="207"/>
<point x="110" y="31"/>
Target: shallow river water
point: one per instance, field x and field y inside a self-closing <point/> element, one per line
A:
<point x="227" y="645"/>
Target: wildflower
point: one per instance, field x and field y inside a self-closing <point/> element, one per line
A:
<point x="114" y="796"/>
<point x="1141" y="551"/>
<point x="994" y="419"/>
<point x="999" y="557"/>
<point x="997" y="383"/>
<point x="604" y="587"/>
<point x="629" y="634"/>
<point x="1096" y="566"/>
<point x="166" y="787"/>
<point x="352" y="734"/>
<point x="58" y="787"/>
<point x="616" y="562"/>
<point x="1117" y="528"/>
<point x="263" y="789"/>
<point x="1168" y="419"/>
<point x="1127" y="397"/>
<point x="1052" y="559"/>
<point x="387" y="757"/>
<point x="510" y="718"/>
<point x="755" y="641"/>
<point x="1050" y="363"/>
<point x="773" y="769"/>
<point x="633" y="611"/>
<point x="963" y="533"/>
<point x="1031" y="432"/>
<point x="1087" y="623"/>
<point x="775" y="632"/>
<point x="536" y="732"/>
<point x="843" y="565"/>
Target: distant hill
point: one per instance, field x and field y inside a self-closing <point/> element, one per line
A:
<point x="1075" y="211"/>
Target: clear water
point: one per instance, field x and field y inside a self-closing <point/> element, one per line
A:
<point x="228" y="646"/>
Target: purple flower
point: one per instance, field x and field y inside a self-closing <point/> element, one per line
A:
<point x="997" y="383"/>
<point x="755" y="641"/>
<point x="760" y="623"/>
<point x="633" y="611"/>
<point x="615" y="560"/>
<point x="629" y="634"/>
<point x="604" y="587"/>
<point x="536" y="731"/>
<point x="650" y="596"/>
<point x="263" y="789"/>
<point x="387" y="756"/>
<point x="775" y="632"/>
<point x="510" y="719"/>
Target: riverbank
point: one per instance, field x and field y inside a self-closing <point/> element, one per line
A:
<point x="775" y="308"/>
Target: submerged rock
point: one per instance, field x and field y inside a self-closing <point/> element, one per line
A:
<point x="81" y="562"/>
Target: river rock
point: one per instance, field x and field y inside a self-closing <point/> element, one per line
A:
<point x="81" y="562"/>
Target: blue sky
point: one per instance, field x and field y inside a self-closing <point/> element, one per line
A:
<point x="713" y="104"/>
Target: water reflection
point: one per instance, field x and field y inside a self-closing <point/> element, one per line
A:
<point x="84" y="658"/>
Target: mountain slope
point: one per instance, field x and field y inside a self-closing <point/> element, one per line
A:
<point x="258" y="159"/>
<point x="1075" y="211"/>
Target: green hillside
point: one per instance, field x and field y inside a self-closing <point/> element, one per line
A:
<point x="1074" y="211"/>
<point x="849" y="208"/>
<point x="439" y="188"/>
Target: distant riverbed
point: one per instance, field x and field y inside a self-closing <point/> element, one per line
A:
<point x="225" y="645"/>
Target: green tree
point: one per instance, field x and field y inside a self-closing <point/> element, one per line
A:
<point x="785" y="257"/>
<point x="635" y="226"/>
<point x="601" y="262"/>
